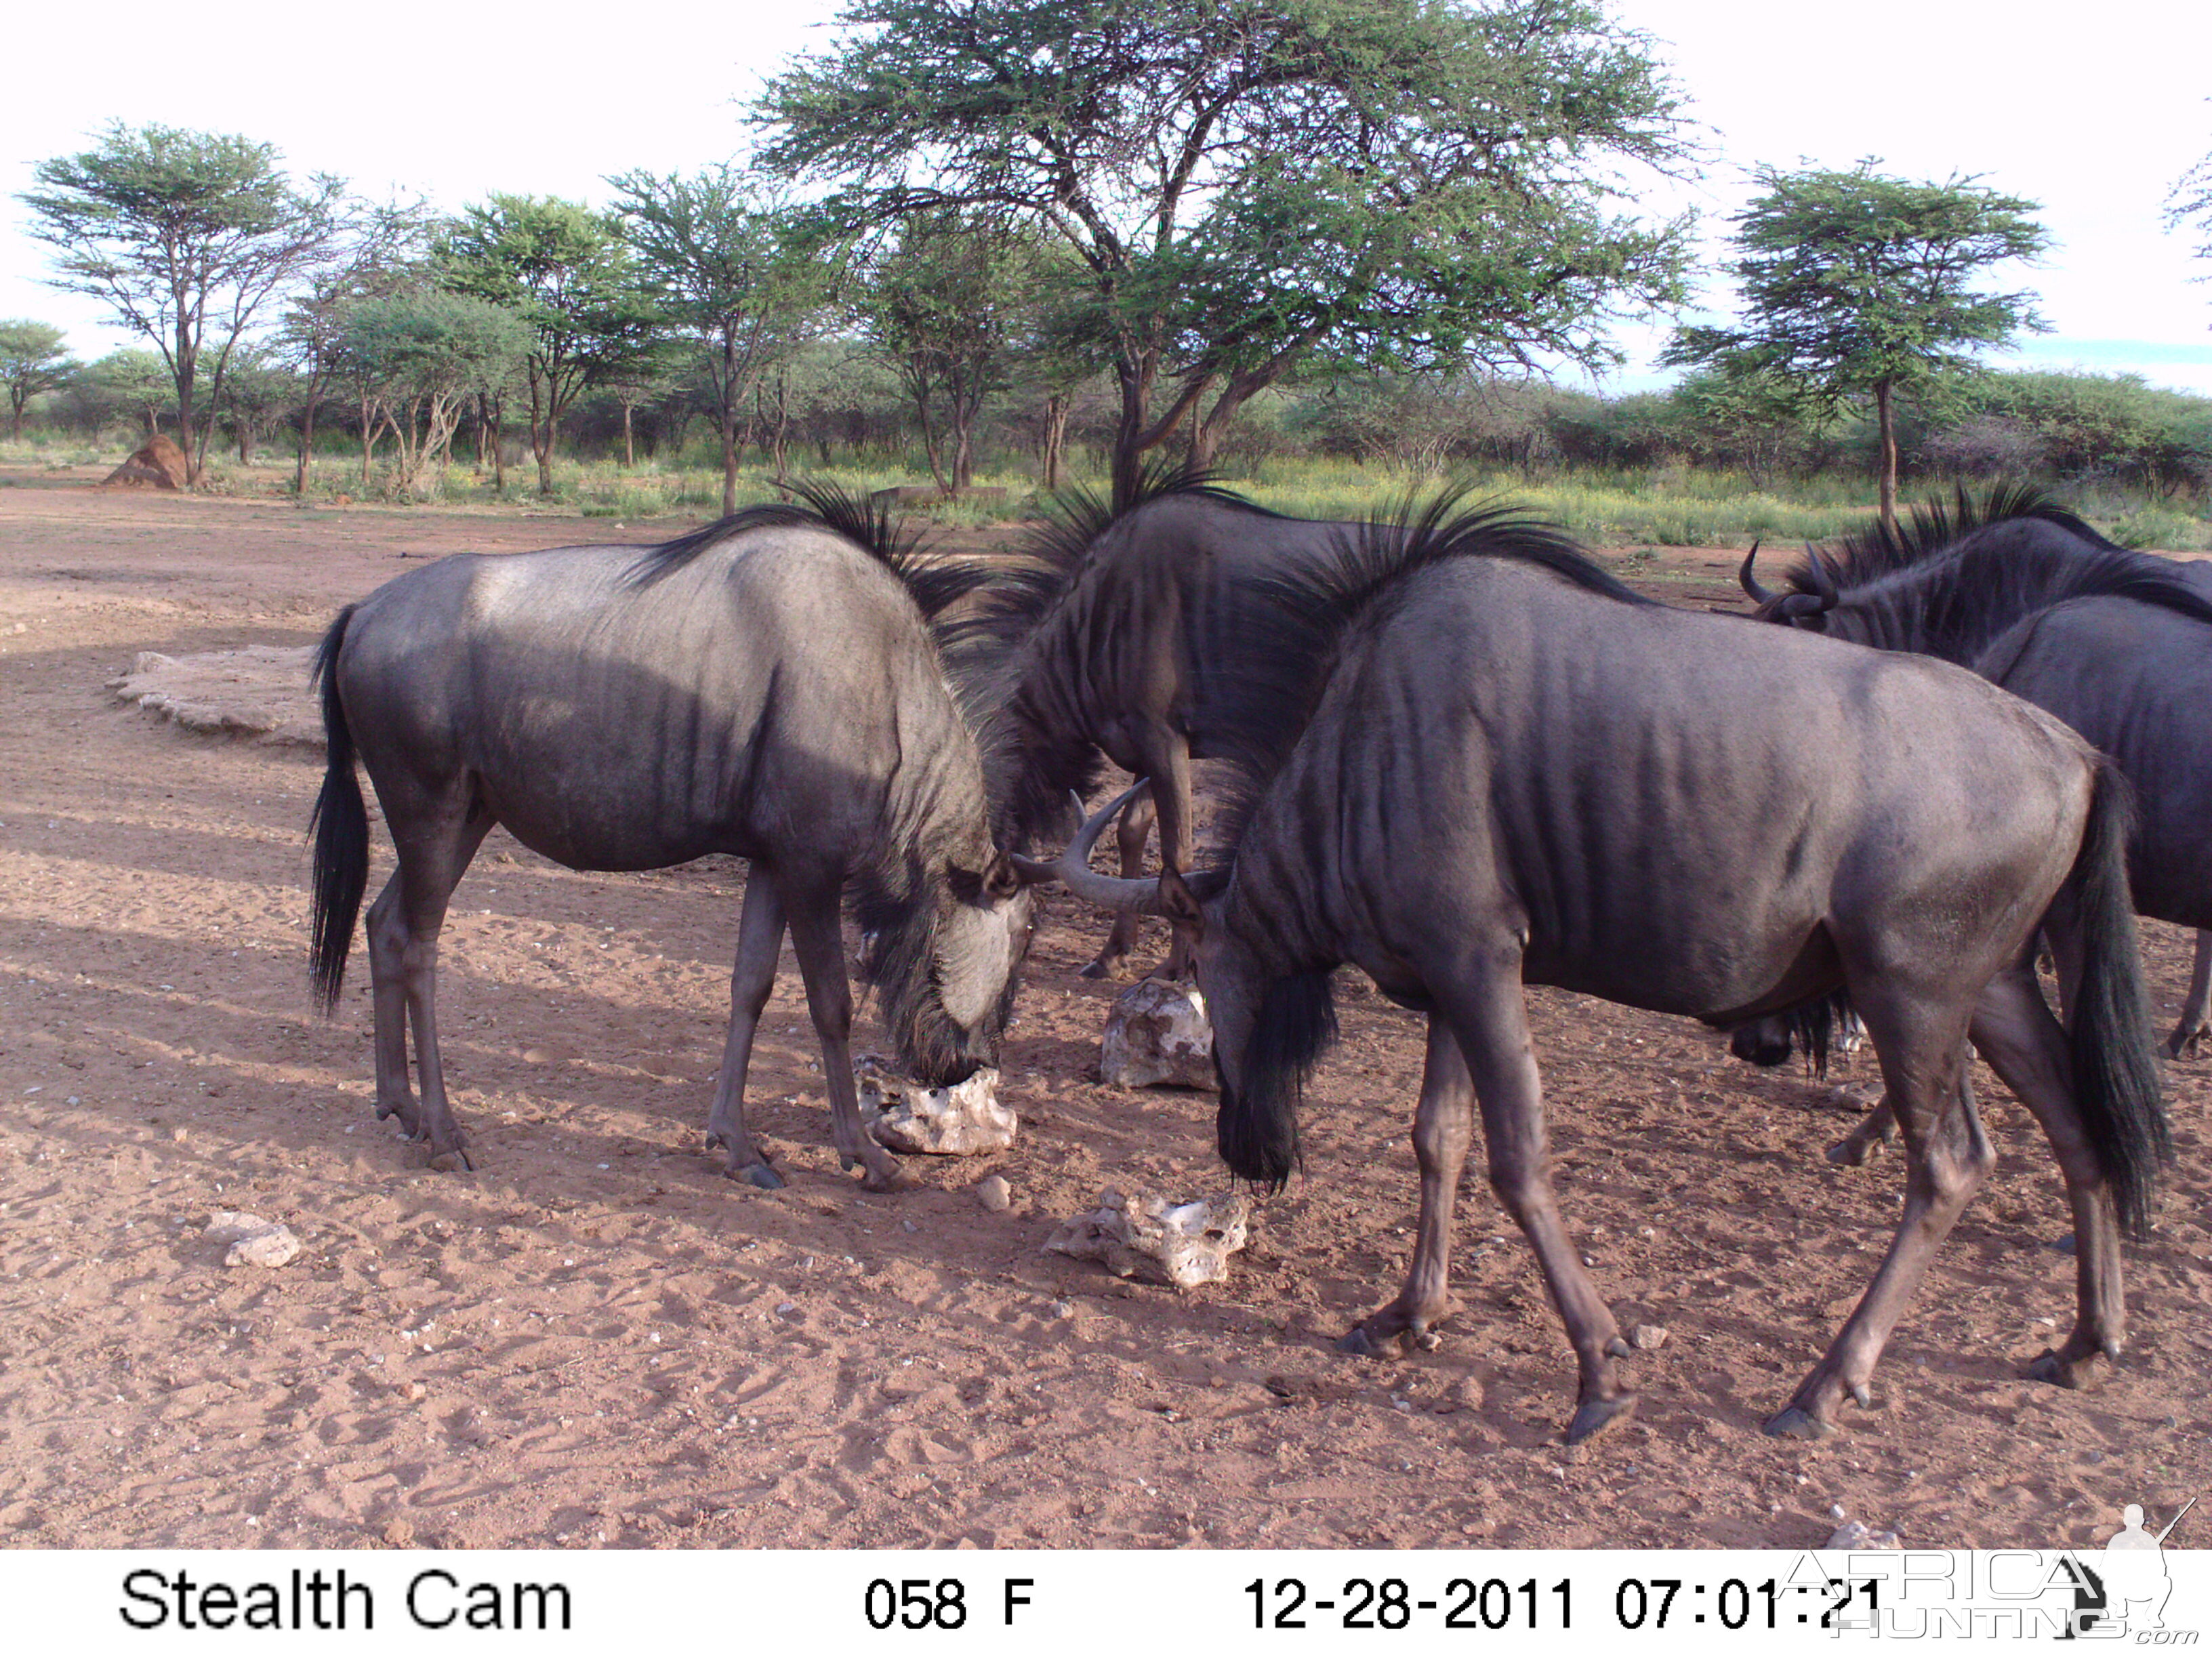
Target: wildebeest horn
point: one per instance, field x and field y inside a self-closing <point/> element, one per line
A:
<point x="1802" y="607"/>
<point x="1751" y="583"/>
<point x="1823" y="582"/>
<point x="1073" y="867"/>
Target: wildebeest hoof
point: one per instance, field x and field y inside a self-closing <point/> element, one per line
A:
<point x="759" y="1173"/>
<point x="1862" y="1396"/>
<point x="1617" y="1348"/>
<point x="1428" y="1340"/>
<point x="2063" y="1370"/>
<point x="1098" y="968"/>
<point x="1593" y="1415"/>
<point x="452" y="1159"/>
<point x="1796" y="1423"/>
<point x="1357" y="1342"/>
<point x="890" y="1179"/>
<point x="1850" y="1152"/>
<point x="2186" y="1045"/>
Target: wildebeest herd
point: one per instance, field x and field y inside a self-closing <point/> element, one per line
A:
<point x="1458" y="755"/>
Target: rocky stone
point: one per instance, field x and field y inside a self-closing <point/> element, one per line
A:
<point x="907" y="1116"/>
<point x="1157" y="1033"/>
<point x="992" y="1193"/>
<point x="1647" y="1337"/>
<point x="1148" y="1238"/>
<point x="254" y="1242"/>
<point x="256" y="691"/>
<point x="156" y="464"/>
<point x="1857" y="1535"/>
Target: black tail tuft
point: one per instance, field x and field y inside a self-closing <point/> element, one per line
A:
<point x="2117" y="1087"/>
<point x="1257" y="1130"/>
<point x="339" y="825"/>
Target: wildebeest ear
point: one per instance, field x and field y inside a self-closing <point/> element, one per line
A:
<point x="1177" y="902"/>
<point x="1002" y="880"/>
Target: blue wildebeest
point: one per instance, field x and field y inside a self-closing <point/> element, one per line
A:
<point x="1517" y="771"/>
<point x="2117" y="644"/>
<point x="767" y="687"/>
<point x="1113" y="640"/>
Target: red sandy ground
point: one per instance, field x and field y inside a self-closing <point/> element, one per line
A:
<point x="597" y="1339"/>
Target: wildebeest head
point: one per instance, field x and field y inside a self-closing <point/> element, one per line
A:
<point x="947" y="967"/>
<point x="1269" y="1029"/>
<point x="1762" y="1041"/>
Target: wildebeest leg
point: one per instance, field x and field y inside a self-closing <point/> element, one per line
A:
<point x="1130" y="834"/>
<point x="1488" y="1015"/>
<point x="2025" y="1047"/>
<point x="813" y="913"/>
<point x="759" y="940"/>
<point x="1924" y="1054"/>
<point x="1443" y="1130"/>
<point x="1175" y="847"/>
<point x="2190" y="1032"/>
<point x="1877" y="1128"/>
<point x="404" y="925"/>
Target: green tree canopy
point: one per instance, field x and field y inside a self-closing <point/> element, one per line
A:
<point x="34" y="358"/>
<point x="950" y="301"/>
<point x="736" y="265"/>
<point x="185" y="236"/>
<point x="1856" y="285"/>
<point x="421" y="353"/>
<point x="1249" y="182"/>
<point x="567" y="272"/>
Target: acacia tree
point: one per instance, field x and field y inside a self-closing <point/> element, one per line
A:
<point x="1405" y="183"/>
<point x="1855" y="285"/>
<point x="566" y="271"/>
<point x="33" y="360"/>
<point x="135" y="380"/>
<point x="949" y="300"/>
<point x="419" y="356"/>
<point x="185" y="236"/>
<point x="377" y="251"/>
<point x="735" y="264"/>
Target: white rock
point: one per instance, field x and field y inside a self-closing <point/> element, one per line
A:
<point x="1150" y="1238"/>
<point x="254" y="1242"/>
<point x="1857" y="1535"/>
<point x="1649" y="1336"/>
<point x="992" y="1193"/>
<point x="1157" y="1032"/>
<point x="256" y="691"/>
<point x="958" y="1122"/>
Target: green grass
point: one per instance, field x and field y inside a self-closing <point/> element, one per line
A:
<point x="1674" y="506"/>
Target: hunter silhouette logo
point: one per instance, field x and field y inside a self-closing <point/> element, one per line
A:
<point x="2126" y="1588"/>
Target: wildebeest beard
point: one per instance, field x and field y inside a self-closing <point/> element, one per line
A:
<point x="900" y="921"/>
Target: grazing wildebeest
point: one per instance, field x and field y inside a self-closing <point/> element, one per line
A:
<point x="1114" y="642"/>
<point x="2114" y="643"/>
<point x="1517" y="771"/>
<point x="767" y="687"/>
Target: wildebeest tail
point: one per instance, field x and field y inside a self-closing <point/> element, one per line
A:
<point x="340" y="827"/>
<point x="1257" y="1128"/>
<point x="2116" y="1076"/>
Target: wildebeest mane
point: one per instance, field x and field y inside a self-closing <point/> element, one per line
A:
<point x="1292" y="640"/>
<point x="1032" y="778"/>
<point x="1961" y="575"/>
<point x="1047" y="560"/>
<point x="937" y="583"/>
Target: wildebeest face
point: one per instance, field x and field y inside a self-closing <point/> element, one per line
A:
<point x="981" y="943"/>
<point x="1762" y="1041"/>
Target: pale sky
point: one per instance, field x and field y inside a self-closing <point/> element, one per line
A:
<point x="2091" y="110"/>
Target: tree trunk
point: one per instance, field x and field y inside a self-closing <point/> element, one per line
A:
<point x="1888" y="421"/>
<point x="630" y="444"/>
<point x="14" y="417"/>
<point x="367" y="442"/>
<point x="1055" y="436"/>
<point x="307" y="439"/>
